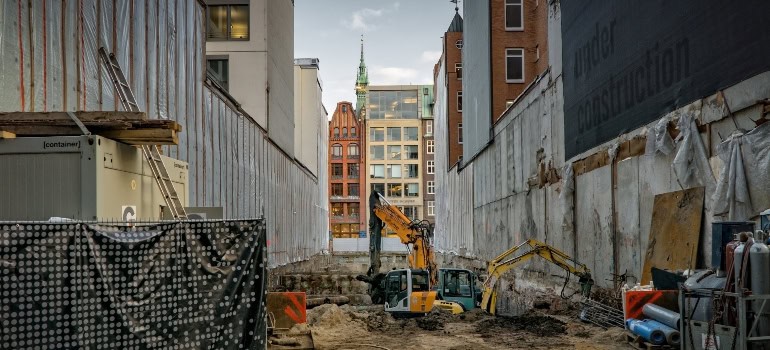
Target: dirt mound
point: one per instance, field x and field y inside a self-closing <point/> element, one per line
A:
<point x="472" y="315"/>
<point x="327" y="315"/>
<point x="544" y="326"/>
<point x="436" y="319"/>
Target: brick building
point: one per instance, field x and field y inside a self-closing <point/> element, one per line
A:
<point x="452" y="87"/>
<point x="345" y="178"/>
<point x="428" y="155"/>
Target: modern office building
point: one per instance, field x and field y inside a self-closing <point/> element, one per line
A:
<point x="310" y="115"/>
<point x="347" y="206"/>
<point x="394" y="144"/>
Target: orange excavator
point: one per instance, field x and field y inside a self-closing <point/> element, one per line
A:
<point x="411" y="290"/>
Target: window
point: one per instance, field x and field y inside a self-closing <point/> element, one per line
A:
<point x="377" y="171"/>
<point x="218" y="68"/>
<point x="336" y="151"/>
<point x="353" y="150"/>
<point x="338" y="209"/>
<point x="228" y="22"/>
<point x="514" y="65"/>
<point x="424" y="91"/>
<point x="353" y="132"/>
<point x="459" y="101"/>
<point x="508" y="104"/>
<point x="537" y="52"/>
<point x="379" y="188"/>
<point x="344" y="132"/>
<point x="411" y="171"/>
<point x="353" y="170"/>
<point x="411" y="151"/>
<point x="353" y="190"/>
<point x="457" y="283"/>
<point x="431" y="187"/>
<point x="429" y="127"/>
<point x="460" y="133"/>
<point x="410" y="134"/>
<point x="336" y="132"/>
<point x="412" y="190"/>
<point x="337" y="190"/>
<point x="378" y="152"/>
<point x="431" y="208"/>
<point x="395" y="190"/>
<point x="431" y="167"/>
<point x="393" y="104"/>
<point x="336" y="171"/>
<point x="377" y="134"/>
<point x="459" y="70"/>
<point x="410" y="212"/>
<point x="353" y="210"/>
<point x="514" y="15"/>
<point x="459" y="44"/>
<point x="394" y="171"/>
<point x="394" y="134"/>
<point x="431" y="146"/>
<point x="344" y="108"/>
<point x="394" y="152"/>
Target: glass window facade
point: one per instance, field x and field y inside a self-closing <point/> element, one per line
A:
<point x="411" y="152"/>
<point x="394" y="152"/>
<point x="219" y="69"/>
<point x="394" y="134"/>
<point x="377" y="152"/>
<point x="393" y="104"/>
<point x="377" y="134"/>
<point x="410" y="134"/>
<point x="395" y="190"/>
<point x="411" y="170"/>
<point x="379" y="188"/>
<point x="353" y="190"/>
<point x="377" y="171"/>
<point x="353" y="170"/>
<point x="228" y="22"/>
<point x="412" y="190"/>
<point x="394" y="171"/>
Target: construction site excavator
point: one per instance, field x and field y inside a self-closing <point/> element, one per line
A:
<point x="524" y="252"/>
<point x="413" y="290"/>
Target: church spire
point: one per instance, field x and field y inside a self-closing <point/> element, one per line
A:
<point x="362" y="81"/>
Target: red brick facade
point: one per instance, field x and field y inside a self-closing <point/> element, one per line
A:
<point x="346" y="154"/>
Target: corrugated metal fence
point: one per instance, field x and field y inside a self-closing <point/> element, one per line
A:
<point x="49" y="62"/>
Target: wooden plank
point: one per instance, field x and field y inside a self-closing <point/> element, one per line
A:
<point x="7" y="135"/>
<point x="143" y="137"/>
<point x="82" y="115"/>
<point x="674" y="232"/>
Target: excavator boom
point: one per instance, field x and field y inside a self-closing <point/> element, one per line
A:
<point x="522" y="253"/>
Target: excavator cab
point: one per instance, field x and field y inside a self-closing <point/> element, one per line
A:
<point x="407" y="292"/>
<point x="459" y="286"/>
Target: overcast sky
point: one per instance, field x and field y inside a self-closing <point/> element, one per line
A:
<point x="402" y="41"/>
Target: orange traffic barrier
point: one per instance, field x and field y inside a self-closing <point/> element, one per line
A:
<point x="289" y="308"/>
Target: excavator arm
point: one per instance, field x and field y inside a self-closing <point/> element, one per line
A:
<point x="522" y="253"/>
<point x="416" y="235"/>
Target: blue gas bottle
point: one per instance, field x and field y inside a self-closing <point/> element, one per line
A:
<point x="647" y="331"/>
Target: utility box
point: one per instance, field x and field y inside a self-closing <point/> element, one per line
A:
<point x="82" y="178"/>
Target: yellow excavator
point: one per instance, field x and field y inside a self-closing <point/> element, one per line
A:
<point x="524" y="252"/>
<point x="414" y="290"/>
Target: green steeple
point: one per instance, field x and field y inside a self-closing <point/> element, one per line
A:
<point x="362" y="82"/>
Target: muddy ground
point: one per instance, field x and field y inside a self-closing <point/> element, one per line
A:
<point x="349" y="327"/>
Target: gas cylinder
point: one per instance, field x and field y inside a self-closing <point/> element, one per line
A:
<point x="759" y="258"/>
<point x="746" y="240"/>
<point x="644" y="328"/>
<point x="730" y="309"/>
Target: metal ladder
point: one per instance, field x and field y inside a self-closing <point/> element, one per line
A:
<point x="151" y="152"/>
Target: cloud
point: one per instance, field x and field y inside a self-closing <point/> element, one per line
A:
<point x="379" y="75"/>
<point x="430" y="56"/>
<point x="361" y="19"/>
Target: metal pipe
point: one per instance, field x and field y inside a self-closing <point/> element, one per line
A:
<point x="662" y="315"/>
<point x="672" y="335"/>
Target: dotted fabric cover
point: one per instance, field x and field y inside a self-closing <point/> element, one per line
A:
<point x="168" y="285"/>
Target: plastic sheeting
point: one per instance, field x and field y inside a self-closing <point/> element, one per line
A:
<point x="191" y="285"/>
<point x="567" y="198"/>
<point x="742" y="190"/>
<point x="658" y="139"/>
<point x="691" y="164"/>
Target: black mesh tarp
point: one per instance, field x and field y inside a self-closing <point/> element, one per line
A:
<point x="180" y="285"/>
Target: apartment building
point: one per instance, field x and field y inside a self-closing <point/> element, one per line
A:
<point x="395" y="142"/>
<point x="250" y="53"/>
<point x="450" y="89"/>
<point x="347" y="206"/>
<point x="310" y="115"/>
<point x="503" y="52"/>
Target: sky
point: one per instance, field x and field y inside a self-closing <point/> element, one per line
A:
<point x="402" y="41"/>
